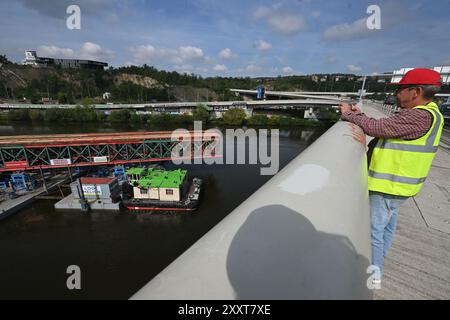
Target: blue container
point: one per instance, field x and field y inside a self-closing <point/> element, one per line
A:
<point x="20" y="181"/>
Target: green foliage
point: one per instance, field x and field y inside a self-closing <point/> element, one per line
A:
<point x="101" y="117"/>
<point x="286" y="121"/>
<point x="128" y="92"/>
<point x="62" y="98"/>
<point x="78" y="114"/>
<point x="4" y="60"/>
<point x="36" y="115"/>
<point x="183" y="119"/>
<point x="86" y="102"/>
<point x="85" y="114"/>
<point x="19" y="115"/>
<point x="135" y="118"/>
<point x="234" y="117"/>
<point x="52" y="115"/>
<point x="119" y="116"/>
<point x="161" y="119"/>
<point x="273" y="121"/>
<point x="258" y="120"/>
<point x="73" y="85"/>
<point x="201" y="113"/>
<point x="218" y="84"/>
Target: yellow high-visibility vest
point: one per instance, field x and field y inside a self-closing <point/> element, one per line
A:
<point x="400" y="167"/>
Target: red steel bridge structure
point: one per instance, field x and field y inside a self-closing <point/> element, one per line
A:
<point x="35" y="152"/>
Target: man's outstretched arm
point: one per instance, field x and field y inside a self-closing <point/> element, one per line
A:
<point x="409" y="124"/>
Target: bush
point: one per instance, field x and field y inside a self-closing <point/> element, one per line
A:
<point x="36" y="115"/>
<point x="4" y="60"/>
<point x="86" y="102"/>
<point x="52" y="114"/>
<point x="161" y="119"/>
<point x="100" y="116"/>
<point x="135" y="118"/>
<point x="183" y="119"/>
<point x="85" y="114"/>
<point x="285" y="121"/>
<point x="19" y="115"/>
<point x="258" y="120"/>
<point x="201" y="113"/>
<point x="119" y="116"/>
<point x="62" y="98"/>
<point x="273" y="121"/>
<point x="234" y="117"/>
<point x="71" y="115"/>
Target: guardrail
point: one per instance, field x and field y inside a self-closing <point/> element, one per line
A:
<point x="305" y="234"/>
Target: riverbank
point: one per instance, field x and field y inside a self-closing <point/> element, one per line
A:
<point x="89" y="115"/>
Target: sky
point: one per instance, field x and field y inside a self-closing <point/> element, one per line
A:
<point x="234" y="38"/>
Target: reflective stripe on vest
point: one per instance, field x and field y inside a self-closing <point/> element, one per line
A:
<point x="427" y="148"/>
<point x="395" y="178"/>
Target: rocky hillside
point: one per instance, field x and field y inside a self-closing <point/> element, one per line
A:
<point x="139" y="80"/>
<point x="72" y="86"/>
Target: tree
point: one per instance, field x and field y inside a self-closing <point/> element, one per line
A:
<point x="62" y="98"/>
<point x="135" y="118"/>
<point x="183" y="119"/>
<point x="120" y="116"/>
<point x="160" y="119"/>
<point x="36" y="115"/>
<point x="201" y="113"/>
<point x="100" y="116"/>
<point x="234" y="117"/>
<point x="4" y="60"/>
<point x="52" y="114"/>
<point x="19" y="115"/>
<point x="86" y="102"/>
<point x="258" y="120"/>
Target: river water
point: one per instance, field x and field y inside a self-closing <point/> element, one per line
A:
<point x="117" y="252"/>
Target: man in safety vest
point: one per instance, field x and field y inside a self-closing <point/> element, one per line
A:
<point x="401" y="155"/>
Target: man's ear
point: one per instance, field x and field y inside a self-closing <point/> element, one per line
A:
<point x="418" y="92"/>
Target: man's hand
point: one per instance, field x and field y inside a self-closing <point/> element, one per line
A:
<point x="346" y="107"/>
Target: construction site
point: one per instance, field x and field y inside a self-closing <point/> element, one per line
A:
<point x="36" y="167"/>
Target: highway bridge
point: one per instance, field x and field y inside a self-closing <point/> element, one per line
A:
<point x="215" y="105"/>
<point x="304" y="94"/>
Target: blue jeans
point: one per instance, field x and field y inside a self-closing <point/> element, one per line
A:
<point x="383" y="211"/>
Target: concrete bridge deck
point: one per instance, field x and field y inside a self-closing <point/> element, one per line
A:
<point x="418" y="265"/>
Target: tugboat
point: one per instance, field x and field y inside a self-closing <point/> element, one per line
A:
<point x="154" y="189"/>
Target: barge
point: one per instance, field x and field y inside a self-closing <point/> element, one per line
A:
<point x="159" y="190"/>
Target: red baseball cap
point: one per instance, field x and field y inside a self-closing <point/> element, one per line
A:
<point x="421" y="76"/>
